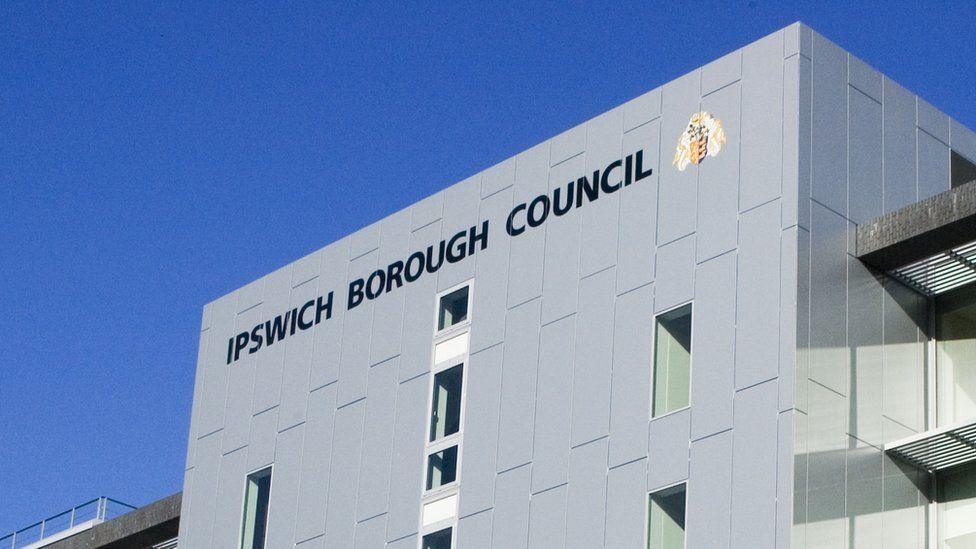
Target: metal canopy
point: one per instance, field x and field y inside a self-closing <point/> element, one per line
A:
<point x="938" y="449"/>
<point x="941" y="272"/>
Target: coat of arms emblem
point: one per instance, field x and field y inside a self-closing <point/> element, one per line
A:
<point x="703" y="137"/>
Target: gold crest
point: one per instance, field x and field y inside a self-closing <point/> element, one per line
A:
<point x="703" y="137"/>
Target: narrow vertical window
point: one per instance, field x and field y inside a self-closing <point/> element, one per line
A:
<point x="666" y="519"/>
<point x="255" y="522"/>
<point x="438" y="540"/>
<point x="445" y="416"/>
<point x="453" y="309"/>
<point x="672" y="361"/>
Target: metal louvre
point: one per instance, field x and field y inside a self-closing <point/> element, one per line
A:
<point x="938" y="449"/>
<point x="942" y="272"/>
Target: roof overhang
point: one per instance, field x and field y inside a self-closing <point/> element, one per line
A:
<point x="938" y="449"/>
<point x="929" y="245"/>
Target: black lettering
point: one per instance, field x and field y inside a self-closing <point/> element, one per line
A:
<point x="393" y="275"/>
<point x="239" y="344"/>
<point x="302" y="325"/>
<point x="294" y="314"/>
<point x="431" y="267"/>
<point x="355" y="293"/>
<point x="562" y="210"/>
<point x="475" y="237"/>
<point x="415" y="266"/>
<point x="604" y="181"/>
<point x="230" y="349"/>
<point x="629" y="171"/>
<point x="276" y="329"/>
<point x="257" y="338"/>
<point x="456" y="251"/>
<point x="641" y="174"/>
<point x="583" y="186"/>
<point x="510" y="227"/>
<point x="319" y="307"/>
<point x="536" y="220"/>
<point x="380" y="276"/>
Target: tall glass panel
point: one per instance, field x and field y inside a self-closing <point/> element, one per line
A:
<point x="254" y="525"/>
<point x="672" y="361"/>
<point x="445" y="415"/>
<point x="666" y="519"/>
<point x="956" y="357"/>
<point x="957" y="508"/>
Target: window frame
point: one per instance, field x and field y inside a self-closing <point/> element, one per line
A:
<point x="247" y="478"/>
<point x="436" y="528"/>
<point x="691" y="358"/>
<point x="459" y="327"/>
<point x="647" y="511"/>
<point x="454" y="439"/>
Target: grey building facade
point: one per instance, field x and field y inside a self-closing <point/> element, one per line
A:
<point x="652" y="330"/>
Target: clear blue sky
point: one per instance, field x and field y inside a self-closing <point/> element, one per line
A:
<point x="154" y="157"/>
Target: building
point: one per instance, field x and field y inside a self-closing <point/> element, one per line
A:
<point x="732" y="312"/>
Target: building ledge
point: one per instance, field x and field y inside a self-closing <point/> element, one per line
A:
<point x="938" y="449"/>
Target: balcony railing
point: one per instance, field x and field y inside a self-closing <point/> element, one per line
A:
<point x="74" y="520"/>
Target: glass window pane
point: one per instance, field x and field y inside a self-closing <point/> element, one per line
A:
<point x="445" y="416"/>
<point x="438" y="540"/>
<point x="956" y="357"/>
<point x="453" y="308"/>
<point x="255" y="521"/>
<point x="672" y="361"/>
<point x="666" y="519"/>
<point x="441" y="467"/>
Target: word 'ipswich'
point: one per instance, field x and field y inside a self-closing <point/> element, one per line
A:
<point x="281" y="326"/>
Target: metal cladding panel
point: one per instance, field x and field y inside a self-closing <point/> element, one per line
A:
<point x="675" y="281"/>
<point x="481" y="430"/>
<point x="829" y="155"/>
<point x="710" y="492"/>
<point x="286" y="479"/>
<point x="328" y="335"/>
<point x="297" y="363"/>
<point x="754" y="454"/>
<point x="899" y="147"/>
<point x="867" y="177"/>
<point x="474" y="531"/>
<point x="378" y="433"/>
<point x="933" y="166"/>
<point x="667" y="451"/>
<point x="340" y="518"/>
<point x="626" y="504"/>
<point x="638" y="214"/>
<point x="762" y="130"/>
<point x="598" y="221"/>
<point x="677" y="190"/>
<point x="630" y="385"/>
<point x="407" y="456"/>
<point x="510" y="517"/>
<point x="828" y="299"/>
<point x="418" y="312"/>
<point x="718" y="179"/>
<point x="461" y="212"/>
<point x="488" y="305"/>
<point x="553" y="405"/>
<point x="713" y="336"/>
<point x="560" y="279"/>
<point x="316" y="462"/>
<point x="757" y="319"/>
<point x="370" y="533"/>
<point x="268" y="364"/>
<point x="354" y="357"/>
<point x="586" y="501"/>
<point x="528" y="249"/>
<point x="518" y="386"/>
<point x="230" y="494"/>
<point x="547" y="519"/>
<point x="594" y="355"/>
<point x="387" y="324"/>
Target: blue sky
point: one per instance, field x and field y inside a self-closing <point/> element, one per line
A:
<point x="154" y="157"/>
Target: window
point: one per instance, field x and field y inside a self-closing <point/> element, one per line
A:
<point x="453" y="309"/>
<point x="442" y="467"/>
<point x="255" y="523"/>
<point x="672" y="361"/>
<point x="445" y="416"/>
<point x="438" y="540"/>
<point x="666" y="519"/>
<point x="963" y="171"/>
<point x="955" y="359"/>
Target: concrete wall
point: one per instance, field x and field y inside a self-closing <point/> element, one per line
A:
<point x="867" y="147"/>
<point x="558" y="448"/>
